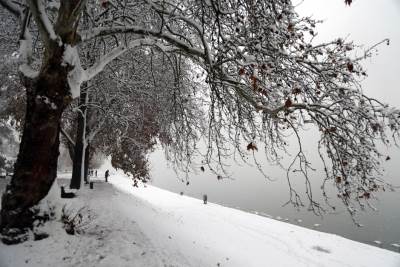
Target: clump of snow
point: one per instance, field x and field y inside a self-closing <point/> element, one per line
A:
<point x="25" y="53"/>
<point x="52" y="203"/>
<point x="77" y="75"/>
<point x="55" y="5"/>
<point x="47" y="101"/>
<point x="25" y="47"/>
<point x="249" y="59"/>
<point x="27" y="71"/>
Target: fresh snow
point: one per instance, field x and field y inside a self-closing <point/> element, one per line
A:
<point x="27" y="71"/>
<point x="147" y="226"/>
<point x="25" y="47"/>
<point x="25" y="53"/>
<point x="47" y="101"/>
<point x="77" y="75"/>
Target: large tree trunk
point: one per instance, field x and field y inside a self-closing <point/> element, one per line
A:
<point x="79" y="152"/>
<point x="87" y="150"/>
<point x="36" y="166"/>
<point x="71" y="149"/>
<point x="86" y="171"/>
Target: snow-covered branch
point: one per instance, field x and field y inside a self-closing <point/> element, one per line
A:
<point x="42" y="20"/>
<point x="25" y="48"/>
<point x="113" y="54"/>
<point x="104" y="31"/>
<point x="66" y="135"/>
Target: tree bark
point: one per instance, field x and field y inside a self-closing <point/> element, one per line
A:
<point x="71" y="151"/>
<point x="69" y="145"/>
<point x="87" y="150"/>
<point x="79" y="152"/>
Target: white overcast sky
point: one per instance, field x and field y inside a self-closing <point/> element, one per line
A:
<point x="366" y="22"/>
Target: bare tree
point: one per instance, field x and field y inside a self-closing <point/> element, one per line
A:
<point x="265" y="76"/>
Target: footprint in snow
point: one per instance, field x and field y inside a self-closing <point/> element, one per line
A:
<point x="321" y="249"/>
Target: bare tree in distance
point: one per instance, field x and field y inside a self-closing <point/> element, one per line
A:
<point x="264" y="76"/>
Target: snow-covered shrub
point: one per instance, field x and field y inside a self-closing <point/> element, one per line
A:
<point x="76" y="221"/>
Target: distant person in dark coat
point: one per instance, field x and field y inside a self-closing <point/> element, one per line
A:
<point x="205" y="199"/>
<point x="106" y="175"/>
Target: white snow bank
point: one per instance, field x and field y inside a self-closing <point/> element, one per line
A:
<point x="210" y="234"/>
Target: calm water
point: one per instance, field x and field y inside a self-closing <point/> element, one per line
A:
<point x="251" y="192"/>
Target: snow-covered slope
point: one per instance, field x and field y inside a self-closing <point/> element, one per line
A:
<point x="210" y="234"/>
<point x="152" y="227"/>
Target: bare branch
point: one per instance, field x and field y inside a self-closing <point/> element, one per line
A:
<point x="42" y="20"/>
<point x="12" y="7"/>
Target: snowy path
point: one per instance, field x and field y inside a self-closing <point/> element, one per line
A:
<point x="113" y="238"/>
<point x="152" y="227"/>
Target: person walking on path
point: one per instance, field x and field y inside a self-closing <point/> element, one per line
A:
<point x="106" y="175"/>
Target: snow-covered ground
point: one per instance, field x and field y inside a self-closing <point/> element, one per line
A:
<point x="148" y="226"/>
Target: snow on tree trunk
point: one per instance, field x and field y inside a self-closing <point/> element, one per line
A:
<point x="77" y="75"/>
